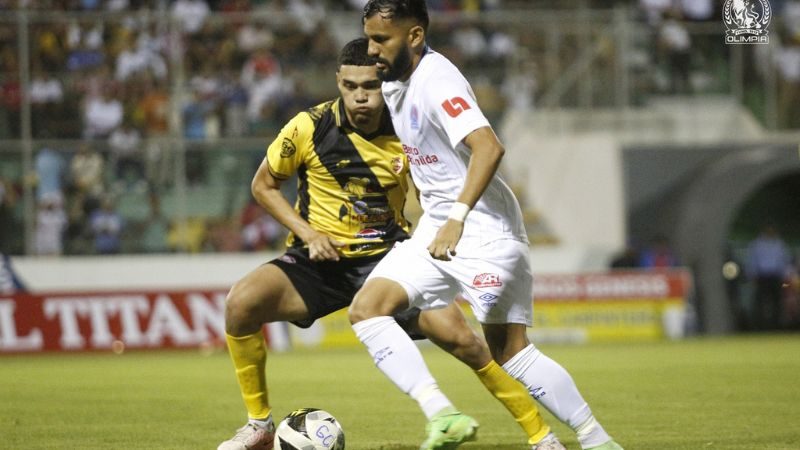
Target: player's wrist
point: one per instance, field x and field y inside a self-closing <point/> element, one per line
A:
<point x="459" y="211"/>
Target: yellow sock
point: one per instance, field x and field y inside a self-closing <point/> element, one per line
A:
<point x="249" y="355"/>
<point x="513" y="395"/>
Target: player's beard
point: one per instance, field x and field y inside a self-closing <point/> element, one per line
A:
<point x="396" y="68"/>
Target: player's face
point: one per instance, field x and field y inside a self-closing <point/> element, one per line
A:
<point x="389" y="43"/>
<point x="360" y="89"/>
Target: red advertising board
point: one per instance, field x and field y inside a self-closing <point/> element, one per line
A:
<point x="617" y="286"/>
<point x="111" y="321"/>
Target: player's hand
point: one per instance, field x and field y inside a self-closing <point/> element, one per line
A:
<point x="444" y="244"/>
<point x="322" y="247"/>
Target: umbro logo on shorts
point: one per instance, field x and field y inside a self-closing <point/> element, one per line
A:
<point x="487" y="280"/>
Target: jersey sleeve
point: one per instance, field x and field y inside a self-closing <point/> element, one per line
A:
<point x="452" y="106"/>
<point x="290" y="149"/>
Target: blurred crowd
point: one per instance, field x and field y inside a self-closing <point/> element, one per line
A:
<point x="122" y="79"/>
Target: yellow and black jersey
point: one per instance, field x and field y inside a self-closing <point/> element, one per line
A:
<point x="350" y="186"/>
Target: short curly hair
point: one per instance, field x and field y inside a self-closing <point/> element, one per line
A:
<point x="354" y="53"/>
<point x="402" y="9"/>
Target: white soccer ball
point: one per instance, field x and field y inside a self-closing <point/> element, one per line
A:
<point x="309" y="429"/>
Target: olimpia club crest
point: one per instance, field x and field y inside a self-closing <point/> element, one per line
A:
<point x="747" y="21"/>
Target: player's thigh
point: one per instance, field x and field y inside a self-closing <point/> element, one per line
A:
<point x="378" y="297"/>
<point x="496" y="281"/>
<point x="266" y="294"/>
<point x="410" y="266"/>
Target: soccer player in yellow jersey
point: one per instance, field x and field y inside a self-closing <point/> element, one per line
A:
<point x="352" y="181"/>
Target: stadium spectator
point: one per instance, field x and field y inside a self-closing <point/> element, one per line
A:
<point x="787" y="61"/>
<point x="51" y="222"/>
<point x="86" y="174"/>
<point x="86" y="188"/>
<point x="675" y="44"/>
<point x="254" y="35"/>
<point x="49" y="46"/>
<point x="190" y="14"/>
<point x="654" y="10"/>
<point x="697" y="10"/>
<point x="86" y="46"/>
<point x="50" y="170"/>
<point x="153" y="231"/>
<point x="102" y="114"/>
<point x="791" y="19"/>
<point x="769" y="264"/>
<point x="125" y="145"/>
<point x="11" y="105"/>
<point x="136" y="58"/>
<point x="261" y="76"/>
<point x="224" y="235"/>
<point x="8" y="201"/>
<point x="152" y="113"/>
<point x="106" y="226"/>
<point x="46" y="96"/>
<point x="10" y="283"/>
<point x="658" y="254"/>
<point x="260" y="231"/>
<point x="152" y="110"/>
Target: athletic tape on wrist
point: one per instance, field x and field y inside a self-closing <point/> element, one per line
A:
<point x="459" y="211"/>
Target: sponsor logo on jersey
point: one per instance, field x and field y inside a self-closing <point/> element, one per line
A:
<point x="414" y="118"/>
<point x="287" y="259"/>
<point x="287" y="148"/>
<point x="364" y="246"/>
<point x="416" y="158"/>
<point x="370" y="233"/>
<point x="487" y="280"/>
<point x="397" y="164"/>
<point x="455" y="106"/>
<point x="488" y="299"/>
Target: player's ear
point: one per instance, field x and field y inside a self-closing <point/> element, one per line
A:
<point x="416" y="36"/>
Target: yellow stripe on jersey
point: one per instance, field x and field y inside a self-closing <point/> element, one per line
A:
<point x="351" y="187"/>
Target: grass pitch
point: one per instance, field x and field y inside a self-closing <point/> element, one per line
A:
<point x="720" y="393"/>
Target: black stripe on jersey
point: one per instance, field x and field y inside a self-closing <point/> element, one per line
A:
<point x="303" y="200"/>
<point x="334" y="148"/>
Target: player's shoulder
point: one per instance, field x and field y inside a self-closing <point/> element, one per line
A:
<point x="318" y="111"/>
<point x="305" y="121"/>
<point x="435" y="66"/>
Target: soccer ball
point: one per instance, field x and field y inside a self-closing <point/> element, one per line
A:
<point x="309" y="429"/>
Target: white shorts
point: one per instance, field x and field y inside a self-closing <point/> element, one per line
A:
<point x="495" y="278"/>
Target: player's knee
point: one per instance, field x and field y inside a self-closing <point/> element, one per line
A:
<point x="240" y="311"/>
<point x="359" y="310"/>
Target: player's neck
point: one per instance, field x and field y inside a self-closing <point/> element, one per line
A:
<point x="416" y="58"/>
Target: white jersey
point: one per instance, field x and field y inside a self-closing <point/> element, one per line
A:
<point x="432" y="112"/>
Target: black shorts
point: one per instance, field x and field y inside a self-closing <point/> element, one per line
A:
<point x="328" y="286"/>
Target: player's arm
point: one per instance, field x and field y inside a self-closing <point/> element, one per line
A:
<point x="486" y="153"/>
<point x="266" y="189"/>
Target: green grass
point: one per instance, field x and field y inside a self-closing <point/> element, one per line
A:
<point x="721" y="393"/>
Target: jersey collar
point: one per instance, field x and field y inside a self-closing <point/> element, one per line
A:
<point x="385" y="129"/>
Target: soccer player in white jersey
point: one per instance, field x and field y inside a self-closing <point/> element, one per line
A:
<point x="470" y="241"/>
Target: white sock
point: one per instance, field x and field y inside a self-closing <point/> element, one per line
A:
<point x="263" y="423"/>
<point x="399" y="359"/>
<point x="553" y="387"/>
